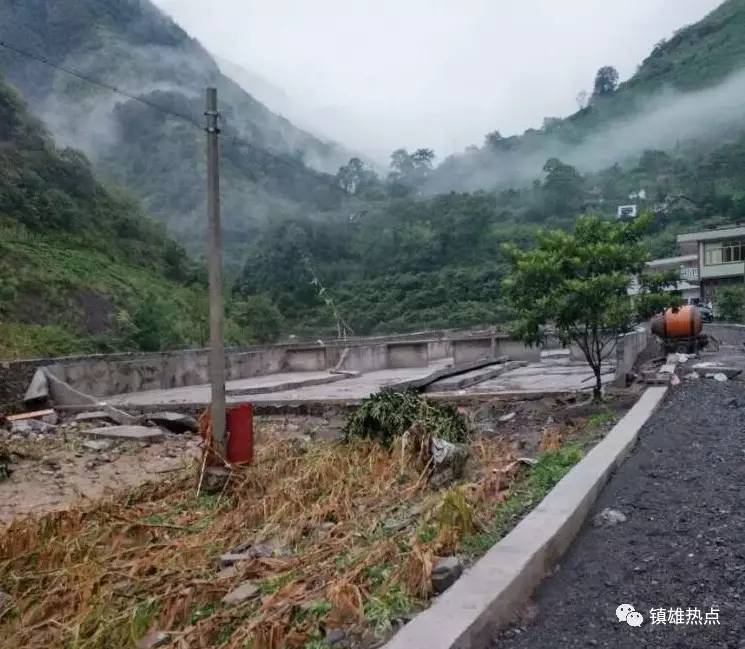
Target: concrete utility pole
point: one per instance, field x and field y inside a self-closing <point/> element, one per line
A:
<point x="217" y="350"/>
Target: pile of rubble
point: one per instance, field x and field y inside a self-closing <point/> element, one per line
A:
<point x="663" y="370"/>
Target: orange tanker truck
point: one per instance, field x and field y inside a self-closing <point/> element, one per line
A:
<point x="680" y="329"/>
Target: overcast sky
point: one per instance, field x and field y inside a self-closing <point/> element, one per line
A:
<point x="379" y="74"/>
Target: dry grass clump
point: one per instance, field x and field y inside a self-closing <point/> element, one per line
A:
<point x="348" y="532"/>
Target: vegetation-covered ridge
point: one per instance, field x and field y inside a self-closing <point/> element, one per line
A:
<point x="666" y="140"/>
<point x="269" y="166"/>
<point x="81" y="267"/>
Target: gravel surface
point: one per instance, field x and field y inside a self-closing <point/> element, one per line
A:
<point x="682" y="544"/>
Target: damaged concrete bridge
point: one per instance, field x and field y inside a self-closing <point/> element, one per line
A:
<point x="448" y="365"/>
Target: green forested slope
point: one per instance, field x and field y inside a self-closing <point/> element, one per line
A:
<point x="409" y="261"/>
<point x="80" y="268"/>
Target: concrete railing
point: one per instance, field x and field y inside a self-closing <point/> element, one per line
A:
<point x="628" y="348"/>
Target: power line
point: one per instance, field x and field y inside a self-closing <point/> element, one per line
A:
<point x="98" y="83"/>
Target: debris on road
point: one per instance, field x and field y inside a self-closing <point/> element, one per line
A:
<point x="508" y="417"/>
<point x="94" y="415"/>
<point x="709" y="368"/>
<point x="719" y="376"/>
<point x="175" y="422"/>
<point x="609" y="517"/>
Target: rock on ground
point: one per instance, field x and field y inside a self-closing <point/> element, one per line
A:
<point x="132" y="433"/>
<point x="445" y="573"/>
<point x="246" y="590"/>
<point x="609" y="517"/>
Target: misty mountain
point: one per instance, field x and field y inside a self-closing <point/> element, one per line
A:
<point x="686" y="92"/>
<point x="269" y="165"/>
<point x="78" y="263"/>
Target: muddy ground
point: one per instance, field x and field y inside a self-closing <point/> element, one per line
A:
<point x="53" y="471"/>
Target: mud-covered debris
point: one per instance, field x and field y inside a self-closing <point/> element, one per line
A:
<point x="29" y="426"/>
<point x="94" y="415"/>
<point x="48" y="416"/>
<point x="174" y="422"/>
<point x="98" y="444"/>
<point x="448" y="461"/>
<point x="132" y="433"/>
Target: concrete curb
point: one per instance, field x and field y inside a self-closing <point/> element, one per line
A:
<point x="489" y="594"/>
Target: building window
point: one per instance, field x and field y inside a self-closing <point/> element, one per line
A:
<point x="724" y="252"/>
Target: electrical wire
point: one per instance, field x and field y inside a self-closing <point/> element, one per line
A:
<point x="233" y="141"/>
<point x="98" y="83"/>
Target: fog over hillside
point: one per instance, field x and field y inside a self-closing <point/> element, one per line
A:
<point x="664" y="121"/>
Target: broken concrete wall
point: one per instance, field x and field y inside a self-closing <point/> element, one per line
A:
<point x="408" y="354"/>
<point x="474" y="348"/>
<point x="105" y="375"/>
<point x="306" y="360"/>
<point x="628" y="348"/>
<point x="366" y="358"/>
<point x="467" y="350"/>
<point x="245" y="364"/>
<point x="516" y="350"/>
<point x="15" y="377"/>
<point x="439" y="349"/>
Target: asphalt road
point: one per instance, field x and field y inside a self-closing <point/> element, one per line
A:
<point x="681" y="546"/>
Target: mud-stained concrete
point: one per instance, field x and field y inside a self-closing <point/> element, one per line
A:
<point x="548" y="376"/>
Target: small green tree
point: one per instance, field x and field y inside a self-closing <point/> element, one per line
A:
<point x="577" y="282"/>
<point x="655" y="293"/>
<point x="729" y="302"/>
<point x="258" y="318"/>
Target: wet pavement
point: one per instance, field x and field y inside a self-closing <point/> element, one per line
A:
<point x="680" y="547"/>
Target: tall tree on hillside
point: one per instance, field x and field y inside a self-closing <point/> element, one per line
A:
<point x="493" y="140"/>
<point x="355" y="176"/>
<point x="409" y="171"/>
<point x="577" y="284"/>
<point x="563" y="188"/>
<point x="606" y="81"/>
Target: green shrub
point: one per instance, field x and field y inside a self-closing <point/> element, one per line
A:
<point x="387" y="414"/>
